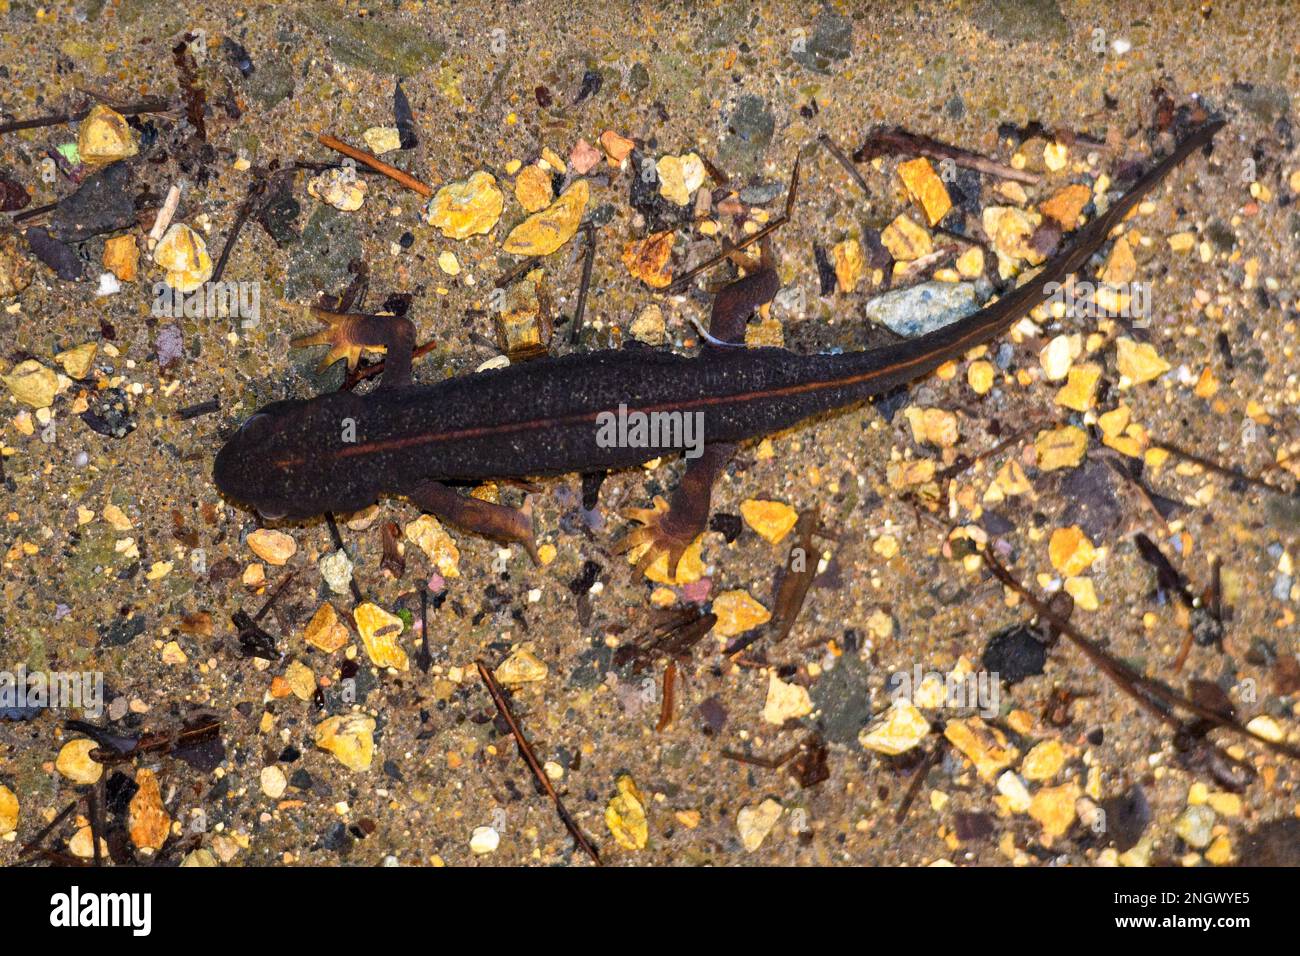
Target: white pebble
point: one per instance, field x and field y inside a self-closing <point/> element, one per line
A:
<point x="108" y="285"/>
<point x="484" y="840"/>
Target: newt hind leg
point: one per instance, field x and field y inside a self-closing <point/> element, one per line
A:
<point x="348" y="334"/>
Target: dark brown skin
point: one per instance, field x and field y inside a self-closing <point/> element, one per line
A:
<point x="341" y="451"/>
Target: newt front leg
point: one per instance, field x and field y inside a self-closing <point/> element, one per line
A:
<point x="670" y="528"/>
<point x="478" y="516"/>
<point x="348" y="334"/>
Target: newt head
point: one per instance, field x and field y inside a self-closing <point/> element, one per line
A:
<point x="279" y="461"/>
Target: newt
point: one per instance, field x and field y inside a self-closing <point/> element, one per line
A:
<point x="342" y="451"/>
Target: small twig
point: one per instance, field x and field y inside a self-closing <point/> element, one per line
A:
<point x="889" y="141"/>
<point x="37" y="840"/>
<point x="767" y="763"/>
<point x="116" y="750"/>
<point x="374" y="162"/>
<point x="959" y="237"/>
<point x="666" y="704"/>
<point x="1120" y="467"/>
<point x="503" y="708"/>
<point x="1170" y="579"/>
<point x="1214" y="594"/>
<point x="744" y="641"/>
<point x="96" y="819"/>
<point x="319" y="167"/>
<point x="275" y="596"/>
<point x="1136" y="685"/>
<point x="1061" y="134"/>
<point x="1184" y="650"/>
<point x="685" y="279"/>
<point x="580" y="309"/>
<point x="515" y="272"/>
<point x="1214" y="466"/>
<point x="151" y="105"/>
<point x="918" y="267"/>
<point x="829" y="145"/>
<point x="245" y="210"/>
<point x="32" y="213"/>
<point x="918" y="778"/>
<point x="424" y="656"/>
<point x="202" y="408"/>
<point x="964" y="462"/>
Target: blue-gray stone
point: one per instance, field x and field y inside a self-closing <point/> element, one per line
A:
<point x="922" y="308"/>
<point x="761" y="193"/>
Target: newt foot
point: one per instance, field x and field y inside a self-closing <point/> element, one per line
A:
<point x="341" y="334"/>
<point x="658" y="532"/>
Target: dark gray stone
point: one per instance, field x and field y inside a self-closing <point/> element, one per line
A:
<point x="760" y="193"/>
<point x="271" y="82"/>
<point x="1267" y="104"/>
<point x="381" y="46"/>
<point x="329" y="242"/>
<point x="831" y="41"/>
<point x="844" y="700"/>
<point x="638" y="78"/>
<point x="102" y="203"/>
<point x="1036" y="20"/>
<point x="750" y="127"/>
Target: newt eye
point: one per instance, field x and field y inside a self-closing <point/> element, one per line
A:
<point x="257" y="428"/>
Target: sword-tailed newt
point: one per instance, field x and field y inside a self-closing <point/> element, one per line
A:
<point x="342" y="451"/>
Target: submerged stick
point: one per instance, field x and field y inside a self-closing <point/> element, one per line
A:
<point x="377" y="164"/>
<point x="34" y="843"/>
<point x="151" y="105"/>
<point x="585" y="284"/>
<point x="893" y="140"/>
<point x="503" y="708"/>
<point x="245" y="210"/>
<point x="918" y="779"/>
<point x="838" y="155"/>
<point x="668" y="701"/>
<point x="1148" y="693"/>
<point x="683" y="280"/>
<point x="1208" y="464"/>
